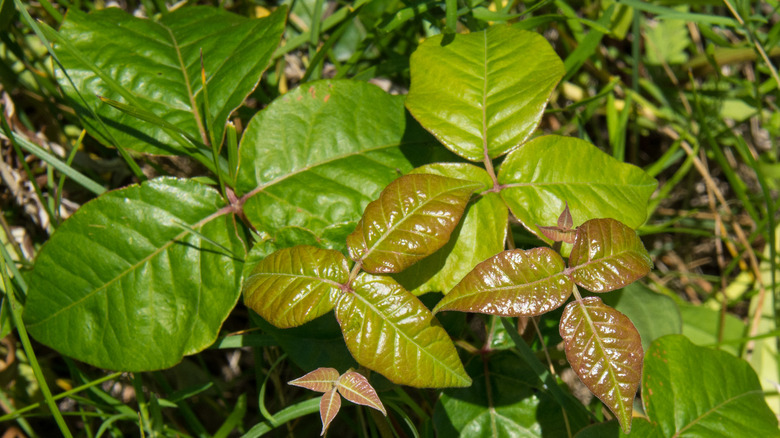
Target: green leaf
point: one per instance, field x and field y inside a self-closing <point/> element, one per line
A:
<point x="316" y="156"/>
<point x="702" y="325"/>
<point x="413" y="217"/>
<point x="320" y="380"/>
<point x="502" y="402"/>
<point x="483" y="93"/>
<point x="296" y="285"/>
<point x="156" y="66"/>
<point x="122" y="285"/>
<point x="354" y="387"/>
<point x="607" y="255"/>
<point x="605" y="351"/>
<point x="547" y="172"/>
<point x="654" y="315"/>
<point x="693" y="391"/>
<point x="512" y="283"/>
<point x="390" y="331"/>
<point x="480" y="234"/>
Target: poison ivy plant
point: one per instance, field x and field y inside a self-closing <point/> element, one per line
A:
<point x="334" y="185"/>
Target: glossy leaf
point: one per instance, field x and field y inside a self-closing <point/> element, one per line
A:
<point x="295" y="285"/>
<point x="605" y="351"/>
<point x="316" y="156"/>
<point x="549" y="171"/>
<point x="330" y="403"/>
<point x="607" y="255"/>
<point x="412" y="218"/>
<point x="483" y="93"/>
<point x="512" y="283"/>
<point x="156" y="66"/>
<point x="388" y="330"/>
<point x="320" y="380"/>
<point x="691" y="391"/>
<point x="123" y="284"/>
<point x="653" y="314"/>
<point x="503" y="401"/>
<point x="480" y="234"/>
<point x="355" y="388"/>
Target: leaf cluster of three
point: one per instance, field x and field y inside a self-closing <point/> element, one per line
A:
<point x="147" y="274"/>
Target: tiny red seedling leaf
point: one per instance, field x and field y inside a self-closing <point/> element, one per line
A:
<point x="565" y="221"/>
<point x="605" y="351"/>
<point x="354" y="387"/>
<point x="607" y="255"/>
<point x="295" y="285"/>
<point x="330" y="403"/>
<point x="320" y="380"/>
<point x="413" y="217"/>
<point x="556" y="234"/>
<point x="512" y="283"/>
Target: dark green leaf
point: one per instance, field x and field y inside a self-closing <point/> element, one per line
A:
<point x="607" y="255"/>
<point x="295" y="285"/>
<point x="315" y="157"/>
<point x="694" y="392"/>
<point x="654" y="315"/>
<point x="124" y="285"/>
<point x="389" y="330"/>
<point x="412" y="218"/>
<point x="156" y="66"/>
<point x="512" y="283"/>
<point x="605" y="351"/>
<point x="483" y="93"/>
<point x="547" y="172"/>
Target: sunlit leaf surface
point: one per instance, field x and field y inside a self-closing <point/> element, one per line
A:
<point x="155" y="65"/>
<point x="605" y="351"/>
<point x="512" y="283"/>
<point x="412" y="218"/>
<point x="548" y="172"/>
<point x="295" y="285"/>
<point x="483" y="93"/>
<point x="607" y="255"/>
<point x="134" y="281"/>
<point x="388" y="330"/>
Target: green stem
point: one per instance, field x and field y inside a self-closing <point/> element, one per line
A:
<point x="28" y="350"/>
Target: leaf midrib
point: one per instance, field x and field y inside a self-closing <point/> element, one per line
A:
<point x="406" y="336"/>
<point x="134" y="266"/>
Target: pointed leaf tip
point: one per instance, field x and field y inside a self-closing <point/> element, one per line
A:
<point x="607" y="255"/>
<point x="413" y="217"/>
<point x="605" y="351"/>
<point x="320" y="380"/>
<point x="330" y="403"/>
<point x="355" y="387"/>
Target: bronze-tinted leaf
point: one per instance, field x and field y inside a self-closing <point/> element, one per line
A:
<point x="330" y="403"/>
<point x="354" y="387"/>
<point x="607" y="255"/>
<point x="320" y="380"/>
<point x="412" y="218"/>
<point x="605" y="351"/>
<point x="295" y="285"/>
<point x="388" y="330"/>
<point x="512" y="283"/>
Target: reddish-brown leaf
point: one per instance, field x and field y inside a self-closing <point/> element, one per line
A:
<point x="607" y="255"/>
<point x="512" y="283"/>
<point x="355" y="388"/>
<point x="605" y="351"/>
<point x="320" y="380"/>
<point x="413" y="217"/>
<point x="330" y="403"/>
